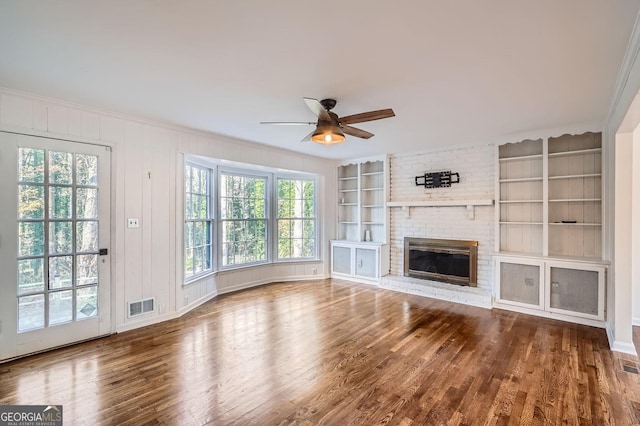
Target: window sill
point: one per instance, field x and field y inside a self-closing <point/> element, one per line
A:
<point x="231" y="269"/>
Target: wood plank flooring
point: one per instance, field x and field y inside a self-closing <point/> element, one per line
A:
<point x="336" y="353"/>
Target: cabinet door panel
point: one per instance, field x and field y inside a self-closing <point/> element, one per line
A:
<point x="520" y="283"/>
<point x="366" y="265"/>
<point x="574" y="290"/>
<point x="341" y="260"/>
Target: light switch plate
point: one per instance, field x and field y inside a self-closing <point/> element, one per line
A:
<point x="133" y="222"/>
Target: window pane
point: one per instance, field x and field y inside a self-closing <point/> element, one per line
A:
<point x="86" y="169"/>
<point x="31" y="202"/>
<point x="188" y="207"/>
<point x="60" y="307"/>
<point x="296" y="200"/>
<point x="188" y="235"/>
<point x="86" y="302"/>
<point x="30" y="275"/>
<point x="86" y="236"/>
<point x="87" y="203"/>
<point x="60" y="202"/>
<point x="30" y="238"/>
<point x="30" y="165"/>
<point x="60" y="167"/>
<point x="30" y="312"/>
<point x="188" y="263"/>
<point x="87" y="269"/>
<point x="60" y="272"/>
<point x="60" y="237"/>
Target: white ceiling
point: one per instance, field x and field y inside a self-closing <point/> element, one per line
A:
<point x="456" y="72"/>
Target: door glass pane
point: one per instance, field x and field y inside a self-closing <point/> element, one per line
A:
<point x="30" y="312"/>
<point x="87" y="203"/>
<point x="60" y="237"/>
<point x="60" y="307"/>
<point x="60" y="202"/>
<point x="60" y="167"/>
<point x="60" y="271"/>
<point x="31" y="165"/>
<point x="31" y="202"/>
<point x="30" y="275"/>
<point x="30" y="238"/>
<point x="86" y="236"/>
<point x="87" y="269"/>
<point x="86" y="302"/>
<point x="86" y="169"/>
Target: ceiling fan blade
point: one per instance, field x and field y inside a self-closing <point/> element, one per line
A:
<point x="367" y="116"/>
<point x="288" y="123"/>
<point x="316" y="107"/>
<point x="359" y="133"/>
<point x="308" y="137"/>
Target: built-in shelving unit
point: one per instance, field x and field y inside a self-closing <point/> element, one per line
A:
<point x="360" y="250"/>
<point x="549" y="223"/>
<point x="361" y="201"/>
<point x="520" y="204"/>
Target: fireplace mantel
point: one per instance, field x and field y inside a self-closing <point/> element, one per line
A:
<point x="469" y="204"/>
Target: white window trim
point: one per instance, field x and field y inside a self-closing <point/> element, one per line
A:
<point x="295" y="176"/>
<point x="217" y="167"/>
<point x="212" y="218"/>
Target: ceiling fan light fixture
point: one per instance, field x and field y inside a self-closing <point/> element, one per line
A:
<point x="327" y="135"/>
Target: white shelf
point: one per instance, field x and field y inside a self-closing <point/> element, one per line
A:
<point x="440" y="203"/>
<point x="348" y="190"/>
<point x="373" y="174"/>
<point x="578" y="152"/>
<point x="520" y="223"/>
<point x="519" y="201"/>
<point x="520" y="158"/>
<point x="574" y="200"/>
<point x="574" y="224"/>
<point x="575" y="176"/>
<point x="372" y="189"/>
<point x="348" y="204"/>
<point x="348" y="178"/>
<point x="373" y="206"/>
<point x="347" y="223"/>
<point x="530" y="179"/>
<point x="372" y="223"/>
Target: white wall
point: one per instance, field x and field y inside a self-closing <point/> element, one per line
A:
<point x="476" y="166"/>
<point x="622" y="119"/>
<point x="146" y="183"/>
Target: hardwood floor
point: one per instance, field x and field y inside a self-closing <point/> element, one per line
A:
<point x="337" y="353"/>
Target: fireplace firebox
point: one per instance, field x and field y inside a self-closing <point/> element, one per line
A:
<point x="450" y="261"/>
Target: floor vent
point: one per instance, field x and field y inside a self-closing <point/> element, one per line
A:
<point x="141" y="307"/>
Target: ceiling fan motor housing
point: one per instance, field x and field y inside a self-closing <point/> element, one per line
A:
<point x="328" y="104"/>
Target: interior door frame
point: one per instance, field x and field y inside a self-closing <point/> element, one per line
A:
<point x="8" y="326"/>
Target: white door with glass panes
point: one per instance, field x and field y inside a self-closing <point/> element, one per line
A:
<point x="54" y="243"/>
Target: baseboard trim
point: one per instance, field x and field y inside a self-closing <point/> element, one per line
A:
<point x="244" y="286"/>
<point x="618" y="346"/>
<point x="635" y="321"/>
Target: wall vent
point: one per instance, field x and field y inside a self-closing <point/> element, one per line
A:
<point x="140" y="307"/>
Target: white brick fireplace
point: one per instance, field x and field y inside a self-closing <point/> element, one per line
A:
<point x="476" y="166"/>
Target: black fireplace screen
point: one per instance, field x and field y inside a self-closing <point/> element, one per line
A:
<point x="439" y="263"/>
<point x="451" y="261"/>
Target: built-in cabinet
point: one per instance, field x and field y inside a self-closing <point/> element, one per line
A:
<point x="549" y="226"/>
<point x="573" y="289"/>
<point x="362" y="220"/>
<point x="364" y="261"/>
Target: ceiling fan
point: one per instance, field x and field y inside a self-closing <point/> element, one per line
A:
<point x="330" y="129"/>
